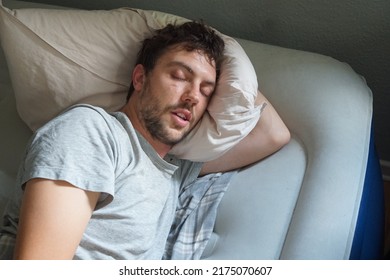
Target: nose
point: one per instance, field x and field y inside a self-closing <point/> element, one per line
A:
<point x="191" y="95"/>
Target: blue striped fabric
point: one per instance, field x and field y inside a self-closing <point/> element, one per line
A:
<point x="195" y="216"/>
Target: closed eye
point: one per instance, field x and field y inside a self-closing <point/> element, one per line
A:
<point x="207" y="92"/>
<point x="178" y="74"/>
<point x="179" y="78"/>
<point x="182" y="72"/>
<point x="207" y="88"/>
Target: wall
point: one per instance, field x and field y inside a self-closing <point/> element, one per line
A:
<point x="354" y="31"/>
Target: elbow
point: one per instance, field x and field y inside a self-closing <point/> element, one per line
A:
<point x="280" y="137"/>
<point x="285" y="137"/>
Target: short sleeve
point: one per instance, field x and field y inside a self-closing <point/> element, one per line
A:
<point x="76" y="147"/>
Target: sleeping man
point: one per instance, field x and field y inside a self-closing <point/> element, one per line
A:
<point x="99" y="185"/>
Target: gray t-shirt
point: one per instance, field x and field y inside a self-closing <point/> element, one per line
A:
<point x="102" y="152"/>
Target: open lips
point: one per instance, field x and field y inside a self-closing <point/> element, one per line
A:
<point x="184" y="116"/>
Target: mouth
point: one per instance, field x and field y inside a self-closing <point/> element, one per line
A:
<point x="182" y="117"/>
<point x="183" y="114"/>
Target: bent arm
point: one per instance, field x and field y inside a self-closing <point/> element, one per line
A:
<point x="268" y="136"/>
<point x="53" y="217"/>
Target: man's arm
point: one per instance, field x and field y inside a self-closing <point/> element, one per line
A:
<point x="269" y="135"/>
<point x="53" y="217"/>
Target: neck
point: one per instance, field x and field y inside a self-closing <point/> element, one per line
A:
<point x="161" y="148"/>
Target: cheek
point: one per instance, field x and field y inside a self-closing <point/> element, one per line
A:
<point x="201" y="108"/>
<point x="175" y="89"/>
<point x="168" y="88"/>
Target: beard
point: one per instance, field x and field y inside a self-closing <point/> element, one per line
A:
<point x="151" y="112"/>
<point x="156" y="127"/>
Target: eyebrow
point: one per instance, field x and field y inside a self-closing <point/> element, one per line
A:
<point x="190" y="70"/>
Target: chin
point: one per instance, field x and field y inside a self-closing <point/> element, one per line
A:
<point x="174" y="138"/>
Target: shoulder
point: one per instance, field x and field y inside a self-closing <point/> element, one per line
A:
<point x="81" y="132"/>
<point x="85" y="112"/>
<point x="80" y="125"/>
<point x="80" y="118"/>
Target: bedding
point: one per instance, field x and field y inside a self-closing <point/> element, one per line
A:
<point x="305" y="202"/>
<point x="59" y="57"/>
<point x="191" y="236"/>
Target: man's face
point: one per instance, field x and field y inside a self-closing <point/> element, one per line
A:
<point x="175" y="94"/>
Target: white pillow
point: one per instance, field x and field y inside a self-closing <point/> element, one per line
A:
<point x="58" y="58"/>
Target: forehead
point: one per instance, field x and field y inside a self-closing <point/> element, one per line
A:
<point x="195" y="59"/>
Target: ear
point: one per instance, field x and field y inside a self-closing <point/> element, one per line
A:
<point x="138" y="77"/>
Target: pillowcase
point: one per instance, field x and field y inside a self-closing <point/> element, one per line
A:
<point x="60" y="57"/>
